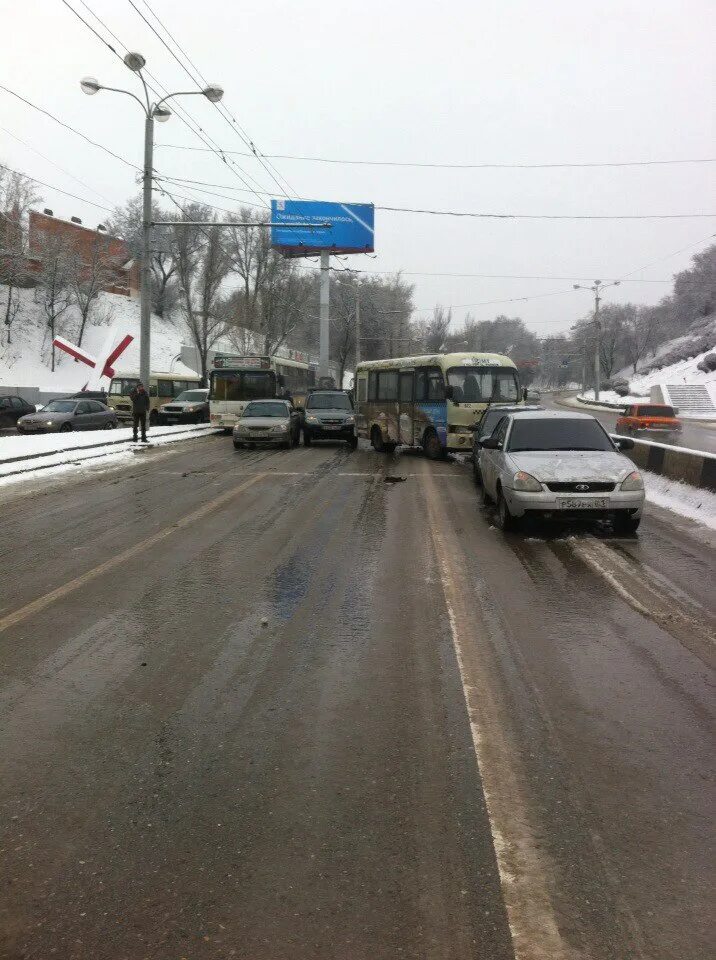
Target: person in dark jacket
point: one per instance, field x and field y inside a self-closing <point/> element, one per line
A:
<point x="140" y="407"/>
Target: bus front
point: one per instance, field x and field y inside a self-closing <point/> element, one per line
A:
<point x="473" y="382"/>
<point x="234" y="382"/>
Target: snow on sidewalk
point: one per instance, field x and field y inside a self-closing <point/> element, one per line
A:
<point x="681" y="498"/>
<point x="59" y="451"/>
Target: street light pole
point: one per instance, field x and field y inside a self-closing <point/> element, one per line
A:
<point x="152" y="111"/>
<point x="357" y="323"/>
<point x="596" y="289"/>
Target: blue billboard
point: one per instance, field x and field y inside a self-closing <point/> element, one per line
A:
<point x="305" y="227"/>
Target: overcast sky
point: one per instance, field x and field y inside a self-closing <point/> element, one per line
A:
<point x="457" y="81"/>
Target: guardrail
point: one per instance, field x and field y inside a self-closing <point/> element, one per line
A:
<point x="695" y="467"/>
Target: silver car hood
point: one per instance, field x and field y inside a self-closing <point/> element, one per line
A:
<point x="44" y="417"/>
<point x="264" y="423"/>
<point x="572" y="465"/>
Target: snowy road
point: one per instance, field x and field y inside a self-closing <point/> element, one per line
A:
<point x="268" y="705"/>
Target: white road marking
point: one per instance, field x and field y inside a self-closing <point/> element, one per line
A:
<point x="533" y="925"/>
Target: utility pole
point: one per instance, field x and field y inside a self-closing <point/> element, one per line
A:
<point x="145" y="294"/>
<point x="358" y="338"/>
<point x="596" y="289"/>
<point x="324" y="359"/>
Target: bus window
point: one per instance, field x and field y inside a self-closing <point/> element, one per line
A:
<point x="478" y="385"/>
<point x="372" y="385"/>
<point x="362" y="388"/>
<point x="406" y="387"/>
<point x="165" y="388"/>
<point x="256" y="386"/>
<point x="388" y="385"/>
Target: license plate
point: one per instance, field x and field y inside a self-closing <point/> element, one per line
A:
<point x="172" y="419"/>
<point x="578" y="503"/>
<point x="329" y="426"/>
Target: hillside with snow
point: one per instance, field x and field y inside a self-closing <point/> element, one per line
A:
<point x="26" y="361"/>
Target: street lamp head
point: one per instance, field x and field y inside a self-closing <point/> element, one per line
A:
<point x="90" y="86"/>
<point x="617" y="282"/>
<point x="161" y="113"/>
<point x="576" y="286"/>
<point x="213" y="92"/>
<point x="135" y="61"/>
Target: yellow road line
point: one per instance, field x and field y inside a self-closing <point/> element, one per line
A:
<point x="10" y="619"/>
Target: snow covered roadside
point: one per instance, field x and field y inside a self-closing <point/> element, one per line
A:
<point x="610" y="399"/>
<point x="681" y="498"/>
<point x="50" y="454"/>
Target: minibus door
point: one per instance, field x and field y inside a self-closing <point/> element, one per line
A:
<point x="405" y="414"/>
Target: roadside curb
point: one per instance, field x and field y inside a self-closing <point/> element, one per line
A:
<point x="694" y="467"/>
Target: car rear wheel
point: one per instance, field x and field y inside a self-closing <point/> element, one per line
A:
<point x="376" y="439"/>
<point x="353" y="443"/>
<point x="505" y="520"/>
<point x="237" y="445"/>
<point x="110" y="424"/>
<point x="307" y="440"/>
<point x="66" y="428"/>
<point x="476" y="474"/>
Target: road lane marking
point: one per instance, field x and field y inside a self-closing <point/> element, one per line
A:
<point x="530" y="913"/>
<point x="35" y="606"/>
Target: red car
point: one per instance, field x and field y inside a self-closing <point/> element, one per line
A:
<point x="652" y="418"/>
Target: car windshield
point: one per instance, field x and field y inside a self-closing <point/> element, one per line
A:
<point x="328" y="401"/>
<point x="481" y="384"/>
<point x="265" y="410"/>
<point x="192" y="396"/>
<point x="655" y="411"/>
<point x="562" y="433"/>
<point x="60" y="406"/>
<point x="247" y="385"/>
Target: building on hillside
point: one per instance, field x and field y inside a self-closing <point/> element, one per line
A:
<point x="94" y="248"/>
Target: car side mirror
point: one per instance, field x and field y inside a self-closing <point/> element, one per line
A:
<point x="625" y="443"/>
<point x="490" y="443"/>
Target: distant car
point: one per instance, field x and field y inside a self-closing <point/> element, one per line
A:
<point x="100" y="395"/>
<point x="487" y="423"/>
<point x="328" y="415"/>
<point x="268" y="421"/>
<point x="12" y="408"/>
<point x="61" y="416"/>
<point x="191" y="406"/>
<point x="559" y="466"/>
<point x="657" y="419"/>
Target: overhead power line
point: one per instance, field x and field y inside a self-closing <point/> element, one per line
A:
<point x="547" y="216"/>
<point x="50" y="186"/>
<point x="465" y="166"/>
<point x="181" y="113"/>
<point x="197" y="80"/>
<point x="67" y="126"/>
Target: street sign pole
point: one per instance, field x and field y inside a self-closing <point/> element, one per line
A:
<point x="323" y="369"/>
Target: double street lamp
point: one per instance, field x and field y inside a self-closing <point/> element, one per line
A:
<point x="596" y="289"/>
<point x="160" y="112"/>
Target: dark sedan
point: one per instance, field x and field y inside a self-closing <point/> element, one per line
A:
<point x="12" y="408"/>
<point x="191" y="406"/>
<point x="329" y="416"/>
<point x="61" y="416"/>
<point x="487" y="423"/>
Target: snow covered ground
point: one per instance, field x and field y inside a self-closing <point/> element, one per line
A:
<point x="26" y="361"/>
<point x="681" y="498"/>
<point x="51" y="454"/>
<point x="610" y="398"/>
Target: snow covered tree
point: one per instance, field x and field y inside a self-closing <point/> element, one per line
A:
<point x="17" y="195"/>
<point x="54" y="291"/>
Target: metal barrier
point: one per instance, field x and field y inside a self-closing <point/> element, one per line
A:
<point x="694" y="467"/>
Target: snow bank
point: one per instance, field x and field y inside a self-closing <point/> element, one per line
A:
<point x="62" y="452"/>
<point x="611" y="399"/>
<point x="681" y="498"/>
<point x="25" y="362"/>
<point x="685" y="371"/>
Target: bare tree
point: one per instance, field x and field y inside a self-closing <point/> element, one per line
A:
<point x="202" y="264"/>
<point x="436" y="329"/>
<point x="272" y="295"/>
<point x="54" y="287"/>
<point x="126" y="223"/>
<point x="17" y="196"/>
<point x="641" y="327"/>
<point x="89" y="278"/>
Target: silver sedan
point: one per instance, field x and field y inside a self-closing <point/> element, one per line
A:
<point x="62" y="416"/>
<point x="268" y="422"/>
<point x="559" y="466"/>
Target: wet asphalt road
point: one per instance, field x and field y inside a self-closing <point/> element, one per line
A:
<point x="243" y="696"/>
<point x="695" y="436"/>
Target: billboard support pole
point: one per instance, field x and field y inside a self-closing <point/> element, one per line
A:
<point x="323" y="370"/>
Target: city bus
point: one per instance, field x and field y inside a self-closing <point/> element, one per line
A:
<point x="432" y="401"/>
<point x="163" y="387"/>
<point x="235" y="380"/>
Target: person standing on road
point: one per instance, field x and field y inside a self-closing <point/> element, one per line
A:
<point x="140" y="408"/>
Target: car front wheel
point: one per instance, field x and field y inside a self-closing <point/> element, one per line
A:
<point x="505" y="520"/>
<point x="66" y="428"/>
<point x="626" y="526"/>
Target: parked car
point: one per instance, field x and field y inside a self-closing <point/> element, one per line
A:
<point x="557" y="466"/>
<point x="12" y="408"/>
<point x="100" y="395"/>
<point x="486" y="424"/>
<point x="328" y="415"/>
<point x="268" y="421"/>
<point x="61" y="416"/>
<point x="657" y="419"/>
<point x="191" y="406"/>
